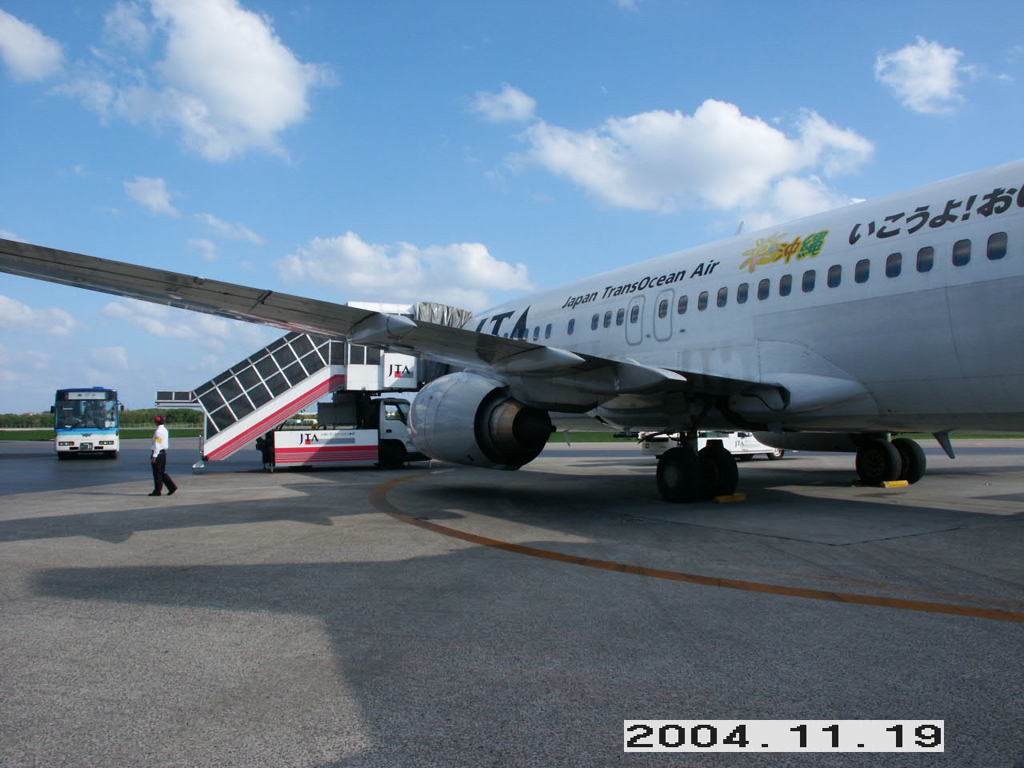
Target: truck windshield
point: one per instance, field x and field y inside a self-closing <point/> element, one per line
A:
<point x="85" y="414"/>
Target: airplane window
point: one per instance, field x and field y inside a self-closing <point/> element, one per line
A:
<point x="807" y="284"/>
<point x="536" y="332"/>
<point x="835" y="275"/>
<point x="620" y="317"/>
<point x="663" y="308"/>
<point x="925" y="259"/>
<point x="723" y="296"/>
<point x="763" y="289"/>
<point x="572" y="326"/>
<point x="961" y="252"/>
<point x="681" y="305"/>
<point x="785" y="285"/>
<point x="893" y="264"/>
<point x="594" y="322"/>
<point x="741" y="293"/>
<point x="634" y="313"/>
<point x="547" y="331"/>
<point x="608" y="319"/>
<point x="996" y="246"/>
<point x="862" y="271"/>
<point x="702" y="301"/>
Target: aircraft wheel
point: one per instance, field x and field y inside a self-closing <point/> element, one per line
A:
<point x="914" y="462"/>
<point x="778" y="453"/>
<point x="680" y="477"/>
<point x="878" y="461"/>
<point x="720" y="473"/>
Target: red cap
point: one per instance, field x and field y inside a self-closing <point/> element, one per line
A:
<point x="159" y="419"/>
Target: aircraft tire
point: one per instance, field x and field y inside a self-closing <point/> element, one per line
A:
<point x="914" y="462"/>
<point x="680" y="475"/>
<point x="720" y="473"/>
<point x="878" y="461"/>
<point x="775" y="455"/>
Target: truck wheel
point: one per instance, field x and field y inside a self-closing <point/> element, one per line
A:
<point x="392" y="455"/>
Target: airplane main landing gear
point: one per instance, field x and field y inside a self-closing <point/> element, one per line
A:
<point x="686" y="475"/>
<point x="914" y="463"/>
<point x="879" y="461"/>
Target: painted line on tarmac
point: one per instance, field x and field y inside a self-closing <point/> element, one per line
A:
<point x="379" y="499"/>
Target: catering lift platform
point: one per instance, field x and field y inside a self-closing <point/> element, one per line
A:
<point x="258" y="395"/>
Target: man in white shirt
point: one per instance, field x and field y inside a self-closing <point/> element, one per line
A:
<point x="161" y="442"/>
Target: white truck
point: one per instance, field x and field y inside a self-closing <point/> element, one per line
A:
<point x="743" y="445"/>
<point x="362" y="432"/>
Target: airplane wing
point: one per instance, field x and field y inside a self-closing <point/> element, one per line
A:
<point x="584" y="379"/>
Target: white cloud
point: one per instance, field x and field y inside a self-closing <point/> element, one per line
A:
<point x="925" y="76"/>
<point x="231" y="84"/>
<point x="717" y="157"/>
<point x="224" y="79"/>
<point x="207" y="250"/>
<point x="792" y="197"/>
<point x="229" y="230"/>
<point x="208" y="331"/>
<point x="14" y="315"/>
<point x="7" y="234"/>
<point x="508" y="105"/>
<point x="124" y="25"/>
<point x="27" y="52"/>
<point x="462" y="274"/>
<point x="110" y="358"/>
<point x="151" y="193"/>
<point x="156" y="319"/>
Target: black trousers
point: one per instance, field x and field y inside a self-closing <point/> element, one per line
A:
<point x="160" y="476"/>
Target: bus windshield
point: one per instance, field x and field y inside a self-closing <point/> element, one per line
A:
<point x="85" y="414"/>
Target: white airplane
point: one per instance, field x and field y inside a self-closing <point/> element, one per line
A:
<point x="832" y="332"/>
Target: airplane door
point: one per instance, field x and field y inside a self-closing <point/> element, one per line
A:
<point x="635" y="320"/>
<point x="662" y="315"/>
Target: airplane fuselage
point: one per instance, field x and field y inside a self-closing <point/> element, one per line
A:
<point x="896" y="314"/>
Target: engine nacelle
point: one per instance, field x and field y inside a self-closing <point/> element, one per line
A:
<point x="467" y="418"/>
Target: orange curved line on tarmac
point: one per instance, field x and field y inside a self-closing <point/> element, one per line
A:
<point x="379" y="498"/>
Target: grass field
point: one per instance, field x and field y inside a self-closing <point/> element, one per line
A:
<point x="556" y="437"/>
<point x="126" y="434"/>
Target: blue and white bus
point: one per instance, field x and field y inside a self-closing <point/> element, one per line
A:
<point x="86" y="421"/>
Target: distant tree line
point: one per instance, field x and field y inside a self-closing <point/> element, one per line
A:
<point x="130" y="418"/>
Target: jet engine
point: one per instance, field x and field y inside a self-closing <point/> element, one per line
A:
<point x="467" y="418"/>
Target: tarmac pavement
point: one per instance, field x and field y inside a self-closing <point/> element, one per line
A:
<point x="441" y="616"/>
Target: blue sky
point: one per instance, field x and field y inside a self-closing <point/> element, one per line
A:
<point x="456" y="151"/>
